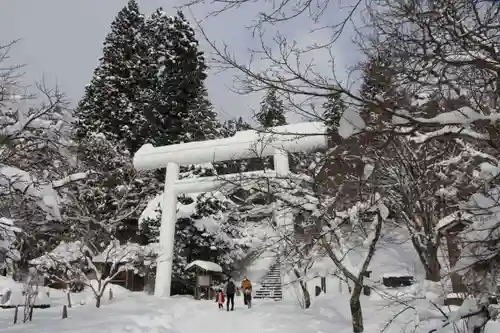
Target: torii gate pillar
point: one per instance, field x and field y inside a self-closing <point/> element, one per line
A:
<point x="165" y="259"/>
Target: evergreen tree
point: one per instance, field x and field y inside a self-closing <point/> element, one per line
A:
<point x="333" y="109"/>
<point x="271" y="114"/>
<point x="230" y="127"/>
<point x="272" y="110"/>
<point x="377" y="76"/>
<point x="110" y="104"/>
<point x="149" y="85"/>
<point x="378" y="84"/>
<point x="176" y="96"/>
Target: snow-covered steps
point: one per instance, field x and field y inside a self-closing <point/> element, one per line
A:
<point x="271" y="284"/>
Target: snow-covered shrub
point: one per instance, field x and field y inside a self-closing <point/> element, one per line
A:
<point x="94" y="266"/>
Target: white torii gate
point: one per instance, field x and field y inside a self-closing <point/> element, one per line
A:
<point x="276" y="142"/>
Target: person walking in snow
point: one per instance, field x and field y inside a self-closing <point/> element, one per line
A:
<point x="230" y="291"/>
<point x="246" y="287"/>
<point x="219" y="298"/>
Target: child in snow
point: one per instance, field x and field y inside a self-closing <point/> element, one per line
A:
<point x="219" y="298"/>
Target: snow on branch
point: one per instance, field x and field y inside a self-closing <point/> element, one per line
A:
<point x="337" y="248"/>
<point x="12" y="178"/>
<point x="71" y="178"/>
<point x="449" y="131"/>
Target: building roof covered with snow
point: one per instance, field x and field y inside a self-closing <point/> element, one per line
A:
<point x="65" y="252"/>
<point x="205" y="265"/>
<point x="126" y="253"/>
<point x="454" y="219"/>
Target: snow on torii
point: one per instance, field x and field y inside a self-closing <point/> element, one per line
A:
<point x="276" y="142"/>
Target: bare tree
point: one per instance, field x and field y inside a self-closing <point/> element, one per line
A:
<point x="422" y="189"/>
<point x="306" y="202"/>
<point x="35" y="141"/>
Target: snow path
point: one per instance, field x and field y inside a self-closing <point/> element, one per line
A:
<point x="139" y="313"/>
<point x="264" y="316"/>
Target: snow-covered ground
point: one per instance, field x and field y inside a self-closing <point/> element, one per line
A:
<point x="141" y="313"/>
<point x="393" y="255"/>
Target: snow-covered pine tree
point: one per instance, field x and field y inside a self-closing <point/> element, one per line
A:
<point x="111" y="103"/>
<point x="178" y="107"/>
<point x="377" y="76"/>
<point x="228" y="129"/>
<point x="272" y="110"/>
<point x="333" y="109"/>
<point x="271" y="114"/>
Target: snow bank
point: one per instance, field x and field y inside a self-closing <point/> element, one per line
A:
<point x="122" y="314"/>
<point x="393" y="257"/>
<point x="492" y="327"/>
<point x="54" y="297"/>
<point x="140" y="313"/>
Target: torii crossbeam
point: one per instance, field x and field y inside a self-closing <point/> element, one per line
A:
<point x="276" y="142"/>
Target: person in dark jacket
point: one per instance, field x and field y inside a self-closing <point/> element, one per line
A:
<point x="230" y="291"/>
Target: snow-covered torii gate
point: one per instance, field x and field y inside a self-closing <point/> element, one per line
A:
<point x="276" y="142"/>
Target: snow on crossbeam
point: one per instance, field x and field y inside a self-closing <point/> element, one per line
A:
<point x="212" y="183"/>
<point x="244" y="144"/>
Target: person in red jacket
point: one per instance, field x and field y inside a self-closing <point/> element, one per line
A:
<point x="219" y="298"/>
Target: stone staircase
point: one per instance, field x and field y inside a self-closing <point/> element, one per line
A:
<point x="271" y="284"/>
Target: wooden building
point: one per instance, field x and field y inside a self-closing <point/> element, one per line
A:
<point x="449" y="227"/>
<point x="206" y="273"/>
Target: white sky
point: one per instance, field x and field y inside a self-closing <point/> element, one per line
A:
<point x="61" y="41"/>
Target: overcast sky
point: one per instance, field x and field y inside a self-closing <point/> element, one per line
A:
<point x="61" y="41"/>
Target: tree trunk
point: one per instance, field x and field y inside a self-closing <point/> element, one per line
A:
<point x="453" y="255"/>
<point x="356" y="313"/>
<point x="305" y="292"/>
<point x="429" y="259"/>
<point x="98" y="301"/>
<point x="307" y="296"/>
<point x="433" y="268"/>
<point x="68" y="295"/>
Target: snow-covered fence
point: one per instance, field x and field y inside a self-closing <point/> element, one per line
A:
<point x="276" y="142"/>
